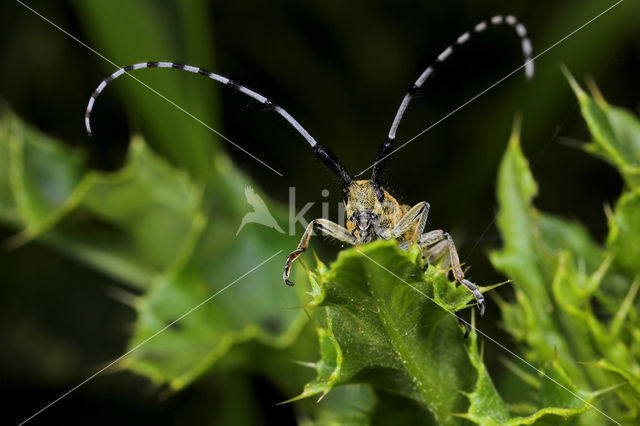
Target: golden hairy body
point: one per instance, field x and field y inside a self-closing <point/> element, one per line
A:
<point x="362" y="196"/>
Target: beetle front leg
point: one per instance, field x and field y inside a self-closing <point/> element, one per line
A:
<point x="329" y="228"/>
<point x="417" y="214"/>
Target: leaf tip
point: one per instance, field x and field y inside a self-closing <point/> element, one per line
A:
<point x="580" y="94"/>
<point x="290" y="400"/>
<point x="320" y="266"/>
<point x="514" y="139"/>
<point x="16" y="241"/>
<point x="323" y="395"/>
<point x="305" y="363"/>
<point x="608" y="389"/>
<point x="595" y="92"/>
<point x="295" y="308"/>
<point x="462" y="415"/>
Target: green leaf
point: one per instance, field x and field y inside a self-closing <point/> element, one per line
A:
<point x="152" y="226"/>
<point x="380" y="330"/>
<point x="487" y="408"/>
<point x="38" y="178"/>
<point x="112" y="26"/>
<point x="356" y="405"/>
<point x="523" y="257"/>
<point x="575" y="299"/>
<point x="113" y="221"/>
<point x="615" y="131"/>
<point x="624" y="228"/>
<point x="349" y="405"/>
<point x="485" y="404"/>
<point x="388" y="324"/>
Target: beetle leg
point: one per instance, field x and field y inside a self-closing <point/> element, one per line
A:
<point x="439" y="243"/>
<point x="329" y="228"/>
<point x="435" y="252"/>
<point x="417" y="214"/>
<point x="464" y="324"/>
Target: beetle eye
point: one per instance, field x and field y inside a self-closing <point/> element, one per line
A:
<point x="380" y="194"/>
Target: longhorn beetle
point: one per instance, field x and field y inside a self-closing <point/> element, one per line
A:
<point x="371" y="211"/>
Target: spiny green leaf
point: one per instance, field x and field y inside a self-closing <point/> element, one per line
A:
<point x="38" y="179"/>
<point x="523" y="258"/>
<point x="616" y="132"/>
<point x="151" y="225"/>
<point x="575" y="298"/>
<point x="386" y="331"/>
<point x="485" y="404"/>
<point x="561" y="234"/>
<point x="349" y="405"/>
<point x="631" y="379"/>
<point x="487" y="407"/>
<point x="387" y="324"/>
<point x="113" y="221"/>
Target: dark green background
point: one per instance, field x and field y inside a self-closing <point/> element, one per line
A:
<point x="340" y="68"/>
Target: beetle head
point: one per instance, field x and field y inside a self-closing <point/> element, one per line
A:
<point x="364" y="203"/>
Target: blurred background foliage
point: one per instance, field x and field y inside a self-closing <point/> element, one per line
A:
<point x="341" y="69"/>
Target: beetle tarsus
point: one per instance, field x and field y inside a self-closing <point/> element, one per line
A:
<point x="464" y="324"/>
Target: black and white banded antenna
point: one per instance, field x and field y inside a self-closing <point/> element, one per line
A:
<point x="322" y="152"/>
<point x="387" y="146"/>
